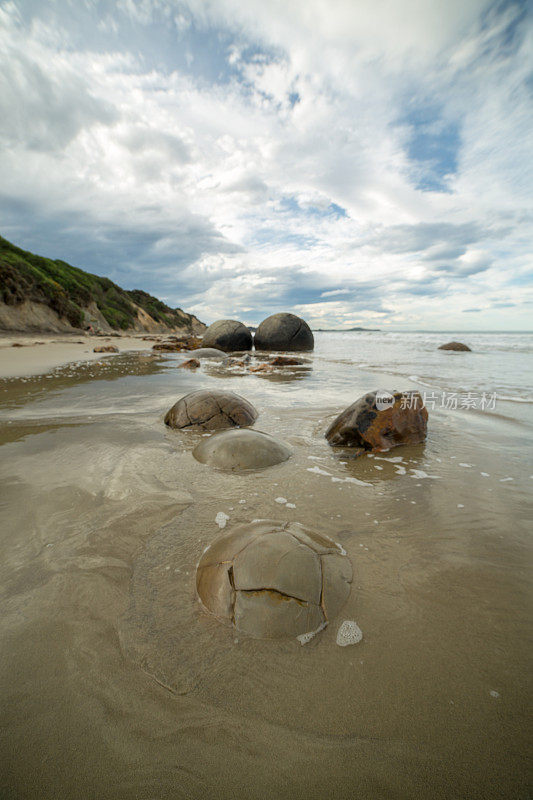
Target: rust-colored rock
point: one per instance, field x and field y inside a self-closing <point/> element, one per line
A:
<point x="106" y="348"/>
<point x="262" y="368"/>
<point x="367" y="427"/>
<point x="458" y="346"/>
<point x="211" y="410"/>
<point x="285" y="361"/>
<point x="169" y="347"/>
<point x="191" y="363"/>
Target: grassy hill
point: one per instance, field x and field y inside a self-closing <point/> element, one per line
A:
<point x="70" y="291"/>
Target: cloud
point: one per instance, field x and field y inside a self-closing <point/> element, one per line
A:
<point x="240" y="159"/>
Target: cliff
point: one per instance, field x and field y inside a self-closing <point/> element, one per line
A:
<point x="40" y="294"/>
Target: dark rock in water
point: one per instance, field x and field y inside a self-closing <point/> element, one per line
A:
<point x="191" y="363"/>
<point x="106" y="348"/>
<point x="459" y="346"/>
<point x="211" y="410"/>
<point x="242" y="449"/>
<point x="273" y="581"/>
<point x="210" y="353"/>
<point x="285" y="361"/>
<point x="228" y="335"/>
<point x="398" y="418"/>
<point x="284" y="332"/>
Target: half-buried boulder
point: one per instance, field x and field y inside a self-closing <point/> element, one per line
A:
<point x="458" y="346"/>
<point x="273" y="581"/>
<point x="211" y="410"/>
<point x="228" y="335"/>
<point x="379" y="421"/>
<point x="210" y="353"/>
<point x="284" y="332"/>
<point x="241" y="449"/>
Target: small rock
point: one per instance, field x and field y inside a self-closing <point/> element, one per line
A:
<point x="191" y="363"/>
<point x="458" y="346"/>
<point x="262" y="368"/>
<point x="106" y="348"/>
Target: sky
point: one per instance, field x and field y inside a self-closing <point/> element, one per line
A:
<point x="356" y="162"/>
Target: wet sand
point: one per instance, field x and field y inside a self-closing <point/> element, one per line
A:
<point x="41" y="353"/>
<point x="117" y="685"/>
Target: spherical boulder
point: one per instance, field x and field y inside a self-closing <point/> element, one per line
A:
<point x="211" y="410"/>
<point x="228" y="335"/>
<point x="273" y="581"/>
<point x="379" y="421"/>
<point x="284" y="332"/>
<point x="209" y="354"/>
<point x="458" y="346"/>
<point x="241" y="449"/>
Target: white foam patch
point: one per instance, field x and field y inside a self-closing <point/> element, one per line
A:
<point x="504" y="480"/>
<point x="486" y="474"/>
<point x="290" y="505"/>
<point x="419" y="473"/>
<point x="304" y="638"/>
<point x="319" y="471"/>
<point x="349" y="633"/>
<point x="280" y="500"/>
<point x="221" y="519"/>
<point x="393" y="460"/>
<point x="400" y="470"/>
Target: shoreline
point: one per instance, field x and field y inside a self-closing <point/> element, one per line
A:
<point x="41" y="353"/>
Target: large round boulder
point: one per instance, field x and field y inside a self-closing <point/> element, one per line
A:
<point x="211" y="410"/>
<point x="379" y="421"/>
<point x="228" y="335"/>
<point x="273" y="580"/>
<point x="241" y="449"/>
<point x="457" y="346"/>
<point x="284" y="332"/>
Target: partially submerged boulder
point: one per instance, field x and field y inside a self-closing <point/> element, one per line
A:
<point x="241" y="450"/>
<point x="398" y="418"/>
<point x="273" y="581"/>
<point x="210" y="354"/>
<point x="228" y="335"/>
<point x="458" y="346"/>
<point x="284" y="332"/>
<point x="211" y="410"/>
<point x="106" y="348"/>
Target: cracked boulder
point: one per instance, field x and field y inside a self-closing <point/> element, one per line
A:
<point x="211" y="410"/>
<point x="228" y="335"/>
<point x="284" y="332"/>
<point x="367" y="427"/>
<point x="273" y="581"/>
<point x="241" y="449"/>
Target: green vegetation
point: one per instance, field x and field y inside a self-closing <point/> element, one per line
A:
<point x="69" y="290"/>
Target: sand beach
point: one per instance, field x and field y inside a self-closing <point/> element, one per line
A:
<point x="117" y="684"/>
